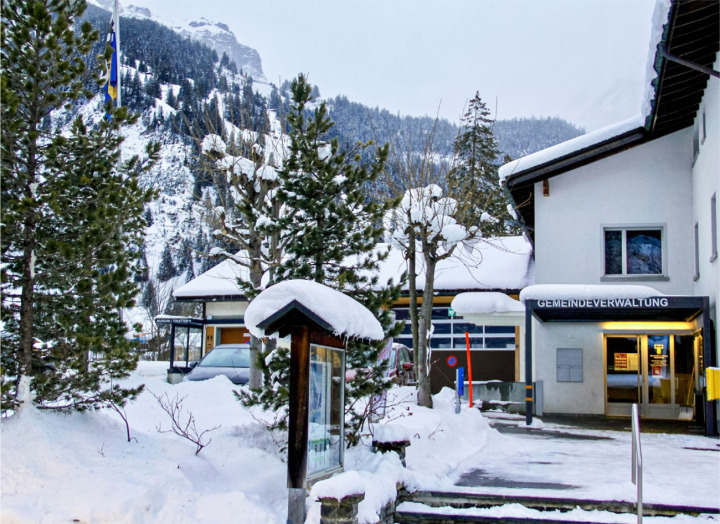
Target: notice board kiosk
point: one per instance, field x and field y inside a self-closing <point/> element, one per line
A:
<point x="318" y="320"/>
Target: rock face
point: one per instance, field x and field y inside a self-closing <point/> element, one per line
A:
<point x="218" y="36"/>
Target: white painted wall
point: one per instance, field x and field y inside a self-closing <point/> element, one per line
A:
<point x="705" y="183"/>
<point x="646" y="185"/>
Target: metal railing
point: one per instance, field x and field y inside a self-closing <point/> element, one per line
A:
<point x="637" y="462"/>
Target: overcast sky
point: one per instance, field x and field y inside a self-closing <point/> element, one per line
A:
<point x="583" y="60"/>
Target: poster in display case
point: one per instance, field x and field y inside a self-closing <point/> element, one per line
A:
<point x="325" y="410"/>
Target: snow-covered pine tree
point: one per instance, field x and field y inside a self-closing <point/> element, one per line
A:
<point x="477" y="160"/>
<point x="72" y="218"/>
<point x="332" y="230"/>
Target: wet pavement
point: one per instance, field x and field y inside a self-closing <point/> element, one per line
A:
<point x="590" y="457"/>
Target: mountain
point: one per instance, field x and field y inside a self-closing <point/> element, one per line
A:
<point x="218" y="36"/>
<point x="188" y="81"/>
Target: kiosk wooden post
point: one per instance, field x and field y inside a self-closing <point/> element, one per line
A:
<point x="304" y="328"/>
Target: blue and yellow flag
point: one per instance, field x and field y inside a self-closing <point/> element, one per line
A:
<point x="112" y="70"/>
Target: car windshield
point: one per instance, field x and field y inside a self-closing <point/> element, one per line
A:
<point x="227" y="358"/>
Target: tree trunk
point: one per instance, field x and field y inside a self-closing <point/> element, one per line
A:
<point x="413" y="305"/>
<point x="256" y="374"/>
<point x="27" y="281"/>
<point x="424" y="391"/>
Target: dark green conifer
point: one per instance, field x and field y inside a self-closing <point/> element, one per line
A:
<point x="71" y="218"/>
<point x="331" y="231"/>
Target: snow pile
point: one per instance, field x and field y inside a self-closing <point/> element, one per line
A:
<point x="485" y="303"/>
<point x="345" y="315"/>
<point x="80" y="466"/>
<point x="586" y="292"/>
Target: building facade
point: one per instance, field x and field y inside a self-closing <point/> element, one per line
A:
<point x="624" y="227"/>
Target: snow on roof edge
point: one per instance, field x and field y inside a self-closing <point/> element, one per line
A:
<point x="582" y="291"/>
<point x="568" y="147"/>
<point x="660" y="18"/>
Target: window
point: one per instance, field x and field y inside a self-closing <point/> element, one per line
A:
<point x="449" y="332"/>
<point x="713" y="227"/>
<point x="633" y="251"/>
<point x="696" y="141"/>
<point x="697" y="252"/>
<point x="569" y="364"/>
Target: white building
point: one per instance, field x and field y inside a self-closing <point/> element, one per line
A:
<point x="624" y="227"/>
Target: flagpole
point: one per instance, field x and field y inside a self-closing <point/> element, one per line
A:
<point x="116" y="15"/>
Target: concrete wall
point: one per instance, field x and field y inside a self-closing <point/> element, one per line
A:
<point x="646" y="185"/>
<point x="586" y="397"/>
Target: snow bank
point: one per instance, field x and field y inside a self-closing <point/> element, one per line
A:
<point x="345" y="315"/>
<point x="585" y="292"/>
<point x="79" y="467"/>
<point x="485" y="303"/>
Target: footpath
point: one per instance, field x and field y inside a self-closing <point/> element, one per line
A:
<point x="578" y="469"/>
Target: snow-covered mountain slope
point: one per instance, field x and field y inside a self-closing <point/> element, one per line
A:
<point x="215" y="35"/>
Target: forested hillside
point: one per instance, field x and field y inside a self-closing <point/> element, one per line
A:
<point x="184" y="90"/>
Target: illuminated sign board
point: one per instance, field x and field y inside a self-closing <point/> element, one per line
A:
<point x="602" y="303"/>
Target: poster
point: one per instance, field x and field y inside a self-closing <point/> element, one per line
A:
<point x="626" y="361"/>
<point x="325" y="409"/>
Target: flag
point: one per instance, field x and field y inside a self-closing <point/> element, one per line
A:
<point x="111" y="83"/>
<point x="112" y="75"/>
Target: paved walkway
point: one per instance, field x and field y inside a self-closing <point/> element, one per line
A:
<point x="589" y="457"/>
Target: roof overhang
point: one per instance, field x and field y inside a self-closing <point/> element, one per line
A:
<point x="691" y="34"/>
<point x="651" y="309"/>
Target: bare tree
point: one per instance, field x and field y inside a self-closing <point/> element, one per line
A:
<point x="245" y="177"/>
<point x="445" y="203"/>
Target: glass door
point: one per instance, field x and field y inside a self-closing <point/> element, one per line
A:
<point x="623" y="374"/>
<point x="659" y="399"/>
<point x="658" y="372"/>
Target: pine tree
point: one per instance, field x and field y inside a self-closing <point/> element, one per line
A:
<point x="166" y="269"/>
<point x="331" y="229"/>
<point x="478" y="159"/>
<point x="71" y="218"/>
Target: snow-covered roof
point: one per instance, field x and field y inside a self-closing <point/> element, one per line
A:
<point x="574" y="145"/>
<point x="494" y="264"/>
<point x="638" y="121"/>
<point x="344" y="315"/>
<point x="485" y="303"/>
<point x="219" y="281"/>
<point x="586" y="292"/>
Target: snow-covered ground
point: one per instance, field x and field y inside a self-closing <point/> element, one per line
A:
<point x="81" y="468"/>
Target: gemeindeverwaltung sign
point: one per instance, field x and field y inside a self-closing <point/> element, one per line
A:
<point x="603" y="303"/>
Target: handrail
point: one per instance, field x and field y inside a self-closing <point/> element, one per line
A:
<point x="637" y="462"/>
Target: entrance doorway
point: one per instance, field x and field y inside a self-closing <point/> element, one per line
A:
<point x="655" y="371"/>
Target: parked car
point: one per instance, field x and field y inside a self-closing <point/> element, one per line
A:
<point x="400" y="366"/>
<point x="231" y="360"/>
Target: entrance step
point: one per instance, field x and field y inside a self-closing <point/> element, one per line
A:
<point x="420" y="507"/>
